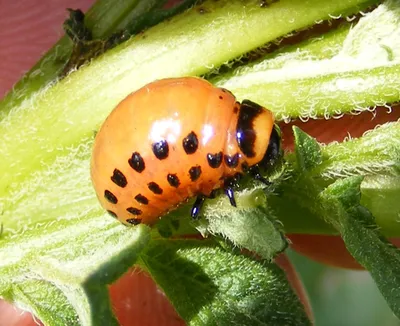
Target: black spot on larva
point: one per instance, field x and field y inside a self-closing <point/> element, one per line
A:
<point x="134" y="211"/>
<point x="136" y="162"/>
<point x="155" y="188"/>
<point x="141" y="199"/>
<point x="232" y="161"/>
<point x="110" y="197"/>
<point x="214" y="160"/>
<point x="173" y="180"/>
<point x="119" y="179"/>
<point x="161" y="149"/>
<point x="245" y="133"/>
<point x="112" y="214"/>
<point x="134" y="221"/>
<point x="221" y="97"/>
<point x="195" y="172"/>
<point x="190" y="143"/>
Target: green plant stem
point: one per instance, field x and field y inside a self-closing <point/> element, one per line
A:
<point x="103" y="19"/>
<point x="342" y="71"/>
<point x="82" y="101"/>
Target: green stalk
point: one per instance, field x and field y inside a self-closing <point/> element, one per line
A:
<point x="354" y="69"/>
<point x="83" y="100"/>
<point x="103" y="19"/>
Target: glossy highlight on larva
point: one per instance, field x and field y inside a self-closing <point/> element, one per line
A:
<point x="175" y="139"/>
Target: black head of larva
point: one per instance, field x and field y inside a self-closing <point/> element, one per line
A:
<point x="259" y="146"/>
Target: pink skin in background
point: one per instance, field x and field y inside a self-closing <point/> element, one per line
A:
<point x="27" y="30"/>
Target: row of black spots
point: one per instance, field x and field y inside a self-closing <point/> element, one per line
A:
<point x="136" y="212"/>
<point x="173" y="180"/>
<point x="160" y="149"/>
<point x="133" y="221"/>
<point x="111" y="198"/>
<point x="190" y="144"/>
<point x="155" y="188"/>
<point x="137" y="163"/>
<point x="133" y="211"/>
<point x="114" y="200"/>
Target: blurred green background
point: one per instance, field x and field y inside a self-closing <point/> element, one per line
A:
<point x="342" y="297"/>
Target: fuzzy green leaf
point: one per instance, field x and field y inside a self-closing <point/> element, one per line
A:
<point x="363" y="238"/>
<point x="33" y="295"/>
<point x="380" y="194"/>
<point x="210" y="286"/>
<point x="346" y="191"/>
<point x="251" y="225"/>
<point x="66" y="262"/>
<point x="375" y="157"/>
<point x="308" y="151"/>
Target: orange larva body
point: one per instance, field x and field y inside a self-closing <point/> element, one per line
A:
<point x="169" y="141"/>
